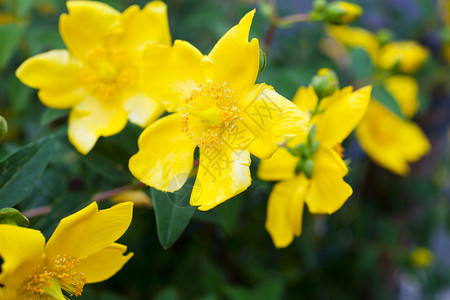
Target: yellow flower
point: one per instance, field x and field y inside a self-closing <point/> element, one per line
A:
<point x="356" y="37"/>
<point x="405" y="90"/>
<point x="218" y="108"/>
<point x="99" y="76"/>
<point x="421" y="257"/>
<point x="409" y="56"/>
<point x="139" y="198"/>
<point x="390" y="141"/>
<point x="80" y="251"/>
<point x="324" y="189"/>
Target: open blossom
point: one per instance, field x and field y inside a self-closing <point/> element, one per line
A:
<point x="311" y="170"/>
<point x="99" y="76"/>
<point x="392" y="142"/>
<point x="81" y="250"/>
<point x="217" y="107"/>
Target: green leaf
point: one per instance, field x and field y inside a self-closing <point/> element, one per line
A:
<point x="167" y="294"/>
<point x="380" y="94"/>
<point x="10" y="35"/>
<point x="20" y="171"/>
<point x="362" y="66"/>
<point x="173" y="213"/>
<point x="12" y="216"/>
<point x="51" y="115"/>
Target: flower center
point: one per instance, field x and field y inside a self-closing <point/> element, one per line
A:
<point x="61" y="273"/>
<point x="209" y="113"/>
<point x="107" y="71"/>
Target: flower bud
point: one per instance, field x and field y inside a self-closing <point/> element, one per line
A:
<point x="3" y="127"/>
<point x="262" y="61"/>
<point x="384" y="36"/>
<point x="325" y="83"/>
<point x="342" y="12"/>
<point x="12" y="216"/>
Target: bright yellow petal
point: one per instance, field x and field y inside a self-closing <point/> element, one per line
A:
<point x="390" y="141"/>
<point x="405" y="90"/>
<point x="306" y="99"/>
<point x="139" y="198"/>
<point x="342" y="113"/>
<point x="285" y="210"/>
<point x="93" y="118"/>
<point x="267" y="117"/>
<point x="235" y="59"/>
<point x="57" y="74"/>
<point x="89" y="230"/>
<point x="166" y="155"/>
<point x="280" y="166"/>
<point x="87" y="25"/>
<point x="142" y="110"/>
<point x="410" y="56"/>
<point x="328" y="190"/>
<point x="222" y="174"/>
<point x="356" y="37"/>
<point x="149" y="25"/>
<point x="104" y="264"/>
<point x="22" y="249"/>
<point x="170" y="74"/>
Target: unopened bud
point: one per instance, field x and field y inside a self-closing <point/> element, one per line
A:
<point x="384" y="36"/>
<point x="342" y="12"/>
<point x="12" y="216"/>
<point x="262" y="61"/>
<point x="3" y="127"/>
<point x="325" y="83"/>
<point x="319" y="5"/>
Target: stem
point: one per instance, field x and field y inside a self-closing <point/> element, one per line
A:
<point x="43" y="210"/>
<point x="296" y="18"/>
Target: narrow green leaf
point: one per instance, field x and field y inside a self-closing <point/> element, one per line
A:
<point x="173" y="213"/>
<point x="362" y="66"/>
<point x="380" y="94"/>
<point x="51" y="115"/>
<point x="20" y="171"/>
<point x="10" y="35"/>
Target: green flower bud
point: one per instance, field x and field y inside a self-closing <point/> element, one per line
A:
<point x="319" y="5"/>
<point x="384" y="36"/>
<point x="341" y="12"/>
<point x="325" y="83"/>
<point x="12" y="216"/>
<point x="308" y="168"/>
<point x="3" y="127"/>
<point x="262" y="61"/>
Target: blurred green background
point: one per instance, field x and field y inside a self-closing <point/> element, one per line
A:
<point x="361" y="252"/>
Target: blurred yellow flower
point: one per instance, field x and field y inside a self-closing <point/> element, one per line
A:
<point x="139" y="198"/>
<point x="80" y="251"/>
<point x="315" y="175"/>
<point x="218" y="108"/>
<point x="389" y="140"/>
<point x="405" y="90"/>
<point x="409" y="55"/>
<point x="341" y="12"/>
<point x="421" y="257"/>
<point x="99" y="76"/>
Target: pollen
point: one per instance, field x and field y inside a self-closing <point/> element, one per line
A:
<point x="107" y="71"/>
<point x="63" y="270"/>
<point x="209" y="113"/>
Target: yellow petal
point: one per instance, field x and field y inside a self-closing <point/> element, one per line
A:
<point x="280" y="166"/>
<point x="328" y="190"/>
<point x="22" y="249"/>
<point x="149" y="25"/>
<point x="170" y="74"/>
<point x="142" y="110"/>
<point x="57" y="74"/>
<point x="139" y="198"/>
<point x="390" y="141"/>
<point x="306" y="99"/>
<point x="87" y="25"/>
<point x="410" y="56"/>
<point x="342" y="113"/>
<point x="285" y="210"/>
<point x="267" y="118"/>
<point x="93" y="118"/>
<point x="166" y="155"/>
<point x="89" y="230"/>
<point x="356" y="37"/>
<point x="222" y="174"/>
<point x="103" y="264"/>
<point x="405" y="90"/>
<point x="235" y="59"/>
